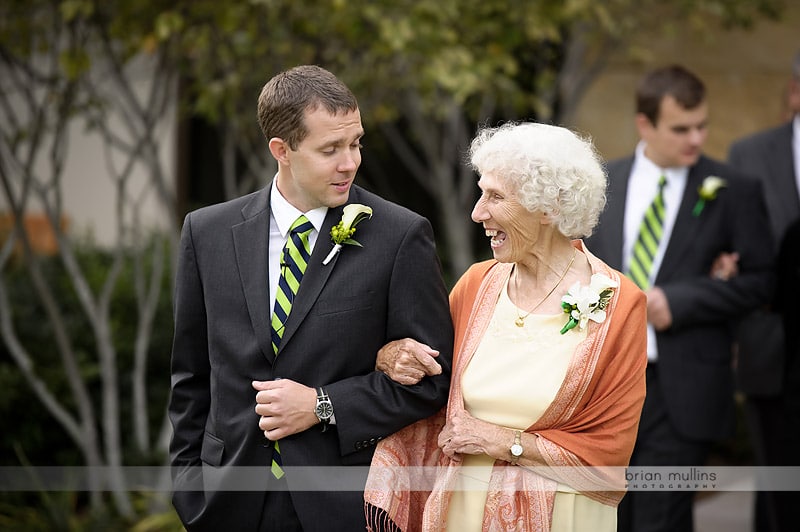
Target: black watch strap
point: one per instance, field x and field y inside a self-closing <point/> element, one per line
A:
<point x="323" y="408"/>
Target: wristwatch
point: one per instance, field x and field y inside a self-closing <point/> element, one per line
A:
<point x="516" y="449"/>
<point x="324" y="408"/>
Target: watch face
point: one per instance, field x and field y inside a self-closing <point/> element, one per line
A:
<point x="324" y="410"/>
<point x="516" y="450"/>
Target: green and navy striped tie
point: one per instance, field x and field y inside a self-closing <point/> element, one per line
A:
<point x="646" y="245"/>
<point x="294" y="260"/>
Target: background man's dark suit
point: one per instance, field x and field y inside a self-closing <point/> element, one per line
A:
<point x="343" y="313"/>
<point x="762" y="363"/>
<point x="694" y="375"/>
<point x="789" y="290"/>
<point x="767" y="156"/>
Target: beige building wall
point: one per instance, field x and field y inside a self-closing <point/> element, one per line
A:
<point x="745" y="72"/>
<point x="88" y="194"/>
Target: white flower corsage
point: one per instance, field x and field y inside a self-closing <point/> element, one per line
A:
<point x="708" y="192"/>
<point x="342" y="232"/>
<point x="584" y="303"/>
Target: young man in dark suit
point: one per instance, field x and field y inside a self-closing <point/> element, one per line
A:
<point x="689" y="401"/>
<point x="308" y="399"/>
<point x="773" y="156"/>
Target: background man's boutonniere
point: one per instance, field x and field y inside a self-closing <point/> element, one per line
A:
<point x="584" y="303"/>
<point x="708" y="192"/>
<point x="342" y="232"/>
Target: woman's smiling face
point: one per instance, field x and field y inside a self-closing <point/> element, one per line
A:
<point x="513" y="230"/>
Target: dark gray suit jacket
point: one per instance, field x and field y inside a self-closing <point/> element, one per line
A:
<point x="695" y="373"/>
<point x="767" y="155"/>
<point x="344" y="312"/>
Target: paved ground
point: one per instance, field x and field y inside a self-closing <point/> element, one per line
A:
<point x="725" y="511"/>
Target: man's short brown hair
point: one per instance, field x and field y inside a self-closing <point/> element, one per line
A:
<point x="288" y="95"/>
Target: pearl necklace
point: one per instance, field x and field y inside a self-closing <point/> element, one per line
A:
<point x="520" y="321"/>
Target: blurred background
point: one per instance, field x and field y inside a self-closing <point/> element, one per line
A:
<point x="117" y="118"/>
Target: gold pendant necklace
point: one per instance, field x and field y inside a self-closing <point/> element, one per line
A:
<point x="520" y="321"/>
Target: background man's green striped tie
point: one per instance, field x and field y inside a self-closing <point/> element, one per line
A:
<point x="294" y="260"/>
<point x="646" y="245"/>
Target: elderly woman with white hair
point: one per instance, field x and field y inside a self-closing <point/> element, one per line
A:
<point x="549" y="361"/>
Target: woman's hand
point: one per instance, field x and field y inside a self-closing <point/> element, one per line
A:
<point x="407" y="361"/>
<point x="464" y="434"/>
<point x="725" y="266"/>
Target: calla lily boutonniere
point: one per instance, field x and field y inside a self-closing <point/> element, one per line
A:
<point x="708" y="192"/>
<point x="342" y="232"/>
<point x="584" y="303"/>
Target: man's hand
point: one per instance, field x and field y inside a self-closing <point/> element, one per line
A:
<point x="725" y="266"/>
<point x="658" y="312"/>
<point x="407" y="361"/>
<point x="286" y="407"/>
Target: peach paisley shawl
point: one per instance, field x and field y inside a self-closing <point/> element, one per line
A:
<point x="591" y="423"/>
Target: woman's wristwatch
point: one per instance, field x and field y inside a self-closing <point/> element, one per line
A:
<point x="516" y="449"/>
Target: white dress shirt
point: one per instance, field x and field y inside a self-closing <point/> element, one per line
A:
<point x="283" y="216"/>
<point x="642" y="189"/>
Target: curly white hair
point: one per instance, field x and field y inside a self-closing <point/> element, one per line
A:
<point x="551" y="169"/>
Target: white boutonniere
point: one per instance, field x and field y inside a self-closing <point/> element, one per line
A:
<point x="342" y="232"/>
<point x="584" y="303"/>
<point x="708" y="192"/>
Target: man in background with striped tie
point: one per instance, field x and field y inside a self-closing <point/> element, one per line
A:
<point x="274" y="385"/>
<point x="671" y="213"/>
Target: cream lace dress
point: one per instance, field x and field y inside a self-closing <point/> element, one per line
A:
<point x="511" y="380"/>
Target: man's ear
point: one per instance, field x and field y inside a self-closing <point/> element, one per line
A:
<point x="279" y="150"/>
<point x="643" y="125"/>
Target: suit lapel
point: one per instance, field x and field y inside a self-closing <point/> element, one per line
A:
<point x="685" y="228"/>
<point x="615" y="215"/>
<point x="251" y="241"/>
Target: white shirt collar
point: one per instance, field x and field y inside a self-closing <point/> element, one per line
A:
<point x="285" y="213"/>
<point x="647" y="164"/>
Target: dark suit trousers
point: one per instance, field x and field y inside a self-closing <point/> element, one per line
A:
<point x="766" y="423"/>
<point x="658" y="444"/>
<point x="278" y="514"/>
